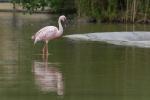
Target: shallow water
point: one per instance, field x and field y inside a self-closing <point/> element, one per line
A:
<point x="73" y="70"/>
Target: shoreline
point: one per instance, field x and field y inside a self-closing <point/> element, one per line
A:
<point x="8" y="7"/>
<point x="115" y="21"/>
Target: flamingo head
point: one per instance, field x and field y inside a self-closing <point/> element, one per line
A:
<point x="62" y="18"/>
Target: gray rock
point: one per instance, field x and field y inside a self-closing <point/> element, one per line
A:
<point x="139" y="39"/>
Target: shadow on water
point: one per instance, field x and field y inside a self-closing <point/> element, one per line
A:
<point x="48" y="77"/>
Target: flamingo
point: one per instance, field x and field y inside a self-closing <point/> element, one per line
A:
<point x="49" y="33"/>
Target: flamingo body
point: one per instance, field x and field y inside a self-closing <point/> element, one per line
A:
<point x="49" y="33"/>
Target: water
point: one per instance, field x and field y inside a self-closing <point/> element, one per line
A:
<point x="73" y="70"/>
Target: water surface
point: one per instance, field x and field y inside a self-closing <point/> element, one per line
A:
<point x="73" y="70"/>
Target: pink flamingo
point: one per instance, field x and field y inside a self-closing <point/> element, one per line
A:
<point x="49" y="33"/>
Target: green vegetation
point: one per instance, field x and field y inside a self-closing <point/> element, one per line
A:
<point x="104" y="10"/>
<point x="115" y="10"/>
<point x="54" y="5"/>
<point x="33" y="5"/>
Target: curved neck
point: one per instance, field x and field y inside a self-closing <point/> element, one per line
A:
<point x="60" y="27"/>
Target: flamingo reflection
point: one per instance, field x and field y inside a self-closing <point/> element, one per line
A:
<point x="48" y="77"/>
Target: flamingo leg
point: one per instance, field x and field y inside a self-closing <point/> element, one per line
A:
<point x="46" y="55"/>
<point x="44" y="51"/>
<point x="46" y="48"/>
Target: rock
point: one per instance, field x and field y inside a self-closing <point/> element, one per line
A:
<point x="139" y="39"/>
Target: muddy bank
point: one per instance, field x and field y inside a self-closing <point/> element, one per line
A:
<point x="117" y="20"/>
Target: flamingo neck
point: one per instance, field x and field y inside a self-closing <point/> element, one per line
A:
<point x="60" y="27"/>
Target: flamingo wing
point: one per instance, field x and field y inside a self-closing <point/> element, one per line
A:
<point x="46" y="33"/>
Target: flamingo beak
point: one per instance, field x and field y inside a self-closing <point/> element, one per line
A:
<point x="65" y="23"/>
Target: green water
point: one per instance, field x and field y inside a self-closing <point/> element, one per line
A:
<point x="74" y="70"/>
